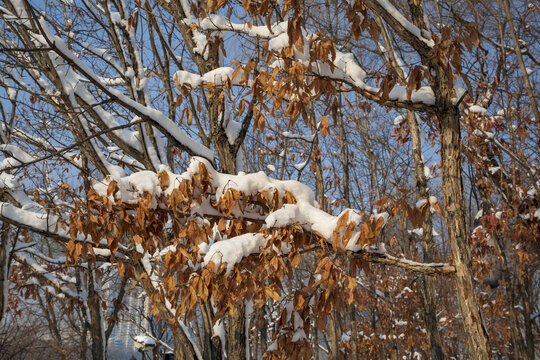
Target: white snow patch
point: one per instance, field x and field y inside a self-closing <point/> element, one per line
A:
<point x="233" y="250"/>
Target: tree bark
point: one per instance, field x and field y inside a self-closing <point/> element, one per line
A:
<point x="96" y="330"/>
<point x="428" y="295"/>
<point x="334" y="338"/>
<point x="523" y="283"/>
<point x="211" y="344"/>
<point x="4" y="270"/>
<point x="117" y="307"/>
<point x="183" y="349"/>
<point x="448" y="115"/>
<point x="319" y="179"/>
<point x="236" y="334"/>
<point x="344" y="152"/>
<point x="84" y="340"/>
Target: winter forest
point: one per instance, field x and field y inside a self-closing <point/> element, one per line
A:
<point x="269" y="179"/>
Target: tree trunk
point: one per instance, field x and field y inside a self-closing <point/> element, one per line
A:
<point x="4" y="270"/>
<point x="84" y="341"/>
<point x="236" y="334"/>
<point x="455" y="221"/>
<point x="428" y="295"/>
<point x="183" y="349"/>
<point x="211" y="345"/>
<point x="523" y="282"/>
<point x="344" y="152"/>
<point x="319" y="179"/>
<point x="96" y="330"/>
<point x="315" y="345"/>
<point x="334" y="336"/>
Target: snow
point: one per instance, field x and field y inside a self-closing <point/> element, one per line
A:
<point x="427" y="172"/>
<point x="59" y="281"/>
<point x="219" y="330"/>
<point x="170" y="127"/>
<point x="39" y="221"/>
<point x="216" y="77"/>
<point x="233" y="130"/>
<point x="132" y="186"/>
<point x="477" y="109"/>
<point x="19" y="156"/>
<point x="290" y="135"/>
<point x="404" y="292"/>
<point x="232" y="251"/>
<point x="72" y="85"/>
<point x="247" y="317"/>
<point x="479" y="214"/>
<point x="460" y="92"/>
<point x="404" y="22"/>
<point x="217" y="22"/>
<point x="130" y="73"/>
<point x="219" y="75"/>
<point x="271" y="168"/>
<point x="104" y="252"/>
<point x="135" y="185"/>
<point x="301" y="166"/>
<point x="201" y="44"/>
<point x="279" y="42"/>
<point x="299" y="334"/>
<point x="384" y="215"/>
<point x="419" y="232"/>
<point x="228" y="251"/>
<point x="250" y="184"/>
<point x="313" y="219"/>
<point x="185" y="77"/>
<point x="11" y="184"/>
<point x="145" y="340"/>
<point x="346" y="68"/>
<point x="424" y="94"/>
<point x="399" y="120"/>
<point x="11" y="93"/>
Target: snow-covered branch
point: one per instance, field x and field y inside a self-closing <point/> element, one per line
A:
<point x="346" y="228"/>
